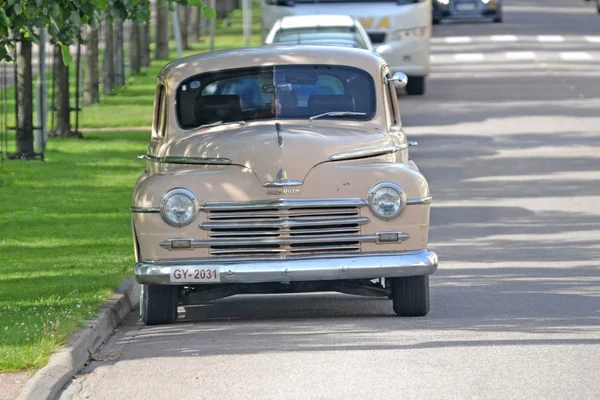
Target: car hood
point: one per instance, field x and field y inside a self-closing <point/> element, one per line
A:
<point x="257" y="146"/>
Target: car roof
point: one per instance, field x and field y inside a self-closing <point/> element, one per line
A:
<point x="324" y="42"/>
<point x="308" y="21"/>
<point x="183" y="68"/>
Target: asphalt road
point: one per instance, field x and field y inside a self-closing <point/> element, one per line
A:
<point x="511" y="147"/>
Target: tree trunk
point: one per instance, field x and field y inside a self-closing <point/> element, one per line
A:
<point x="63" y="103"/>
<point x="119" y="58"/>
<point x="25" y="102"/>
<point x="92" y="87"/>
<point x="146" y="58"/>
<point x="197" y="24"/>
<point x="184" y="23"/>
<point x="109" y="59"/>
<point x="212" y="26"/>
<point x="135" y="48"/>
<point x="162" y="32"/>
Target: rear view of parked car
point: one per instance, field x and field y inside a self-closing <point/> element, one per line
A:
<point x="399" y="29"/>
<point x="330" y="30"/>
<point x="467" y="10"/>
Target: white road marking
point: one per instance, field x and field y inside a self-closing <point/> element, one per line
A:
<point x="469" y="57"/>
<point x="504" y="38"/>
<point x="592" y="39"/>
<point x="458" y="39"/>
<point x="575" y="56"/>
<point x="521" y="55"/>
<point x="550" y="38"/>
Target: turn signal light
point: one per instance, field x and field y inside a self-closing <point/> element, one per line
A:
<point x="181" y="244"/>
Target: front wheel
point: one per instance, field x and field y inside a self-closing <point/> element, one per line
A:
<point x="410" y="296"/>
<point x="415" y="85"/>
<point x="158" y="304"/>
<point x="498" y="18"/>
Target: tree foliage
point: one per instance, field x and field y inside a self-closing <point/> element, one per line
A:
<point x="64" y="18"/>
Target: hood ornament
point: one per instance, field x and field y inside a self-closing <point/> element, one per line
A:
<point x="279" y="134"/>
<point x="281" y="176"/>
<point x="283" y="182"/>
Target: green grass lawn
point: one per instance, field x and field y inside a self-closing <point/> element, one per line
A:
<point x="65" y="235"/>
<point x="65" y="240"/>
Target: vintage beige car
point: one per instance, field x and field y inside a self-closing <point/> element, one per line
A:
<point x="280" y="169"/>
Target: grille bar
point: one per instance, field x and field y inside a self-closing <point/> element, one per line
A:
<point x="281" y="251"/>
<point x="328" y="231"/>
<point x="207" y="226"/>
<point x="283" y="226"/>
<point x="278" y="215"/>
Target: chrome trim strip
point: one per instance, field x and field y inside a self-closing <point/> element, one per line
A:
<point x="187" y="160"/>
<point x="144" y="210"/>
<point x="376" y="151"/>
<point x="422" y="200"/>
<point x="282" y="184"/>
<point x="287" y="223"/>
<point x="279" y="134"/>
<point x="198" y="244"/>
<point x="282" y="204"/>
<point x="296" y="268"/>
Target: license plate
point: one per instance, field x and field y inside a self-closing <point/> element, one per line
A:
<point x="195" y="275"/>
<point x="466" y="7"/>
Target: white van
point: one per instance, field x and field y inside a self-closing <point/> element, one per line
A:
<point x="399" y="29"/>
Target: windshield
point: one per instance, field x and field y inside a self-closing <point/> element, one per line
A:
<point x="337" y="36"/>
<point x="290" y="91"/>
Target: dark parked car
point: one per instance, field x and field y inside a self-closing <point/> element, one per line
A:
<point x="597" y="5"/>
<point x="467" y="9"/>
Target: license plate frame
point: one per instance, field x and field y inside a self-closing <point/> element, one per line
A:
<point x="466" y="7"/>
<point x="195" y="275"/>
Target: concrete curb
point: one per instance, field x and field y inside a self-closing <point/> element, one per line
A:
<point x="47" y="383"/>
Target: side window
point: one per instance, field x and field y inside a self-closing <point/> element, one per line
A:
<point x="159" y="123"/>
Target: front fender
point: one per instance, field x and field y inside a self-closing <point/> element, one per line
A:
<point x="355" y="179"/>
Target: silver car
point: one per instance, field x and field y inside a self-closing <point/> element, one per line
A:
<point x="333" y="30"/>
<point x="466" y="9"/>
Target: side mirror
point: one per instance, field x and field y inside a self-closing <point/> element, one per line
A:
<point x="399" y="80"/>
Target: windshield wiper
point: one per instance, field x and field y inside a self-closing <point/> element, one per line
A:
<point x="338" y="114"/>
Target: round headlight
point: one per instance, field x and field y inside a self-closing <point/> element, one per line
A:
<point x="179" y="207"/>
<point x="387" y="200"/>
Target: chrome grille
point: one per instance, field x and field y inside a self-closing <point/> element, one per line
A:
<point x="284" y="227"/>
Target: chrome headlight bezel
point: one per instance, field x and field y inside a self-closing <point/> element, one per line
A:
<point x="179" y="191"/>
<point x="388" y="185"/>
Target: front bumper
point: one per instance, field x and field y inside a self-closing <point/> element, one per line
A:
<point x="309" y="268"/>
